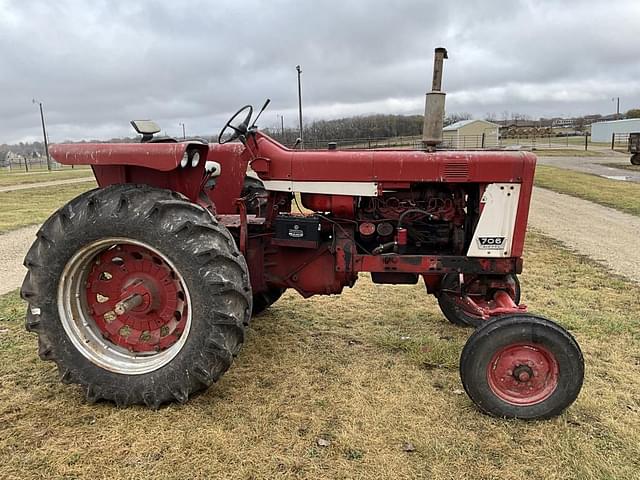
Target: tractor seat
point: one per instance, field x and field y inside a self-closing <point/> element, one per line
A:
<point x="148" y="128"/>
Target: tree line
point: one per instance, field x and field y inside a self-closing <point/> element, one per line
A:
<point x="360" y="127"/>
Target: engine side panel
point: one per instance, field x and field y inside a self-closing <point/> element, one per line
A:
<point x="493" y="236"/>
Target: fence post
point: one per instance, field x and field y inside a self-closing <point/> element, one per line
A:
<point x="613" y="140"/>
<point x="586" y="137"/>
<point x="482" y="139"/>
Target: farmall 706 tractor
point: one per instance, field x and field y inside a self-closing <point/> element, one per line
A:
<point x="142" y="289"/>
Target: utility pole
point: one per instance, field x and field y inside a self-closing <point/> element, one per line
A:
<point x="44" y="134"/>
<point x="184" y="135"/>
<point x="282" y="139"/>
<point x="300" y="105"/>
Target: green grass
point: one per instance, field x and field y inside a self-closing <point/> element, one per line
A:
<point x="368" y="371"/>
<point x="623" y="196"/>
<point x="7" y="179"/>
<point x="34" y="205"/>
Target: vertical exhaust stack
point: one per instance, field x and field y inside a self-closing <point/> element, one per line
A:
<point x="434" y="104"/>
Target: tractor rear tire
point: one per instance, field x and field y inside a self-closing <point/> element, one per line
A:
<point x="635" y="159"/>
<point x="455" y="313"/>
<point x="522" y="366"/>
<point x="263" y="300"/>
<point x="173" y="338"/>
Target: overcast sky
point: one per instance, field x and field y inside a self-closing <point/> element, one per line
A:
<point x="96" y="65"/>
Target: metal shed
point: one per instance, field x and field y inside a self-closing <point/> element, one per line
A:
<point x="602" y="131"/>
<point x="470" y="134"/>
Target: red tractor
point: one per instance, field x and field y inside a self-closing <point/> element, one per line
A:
<point x="142" y="289"/>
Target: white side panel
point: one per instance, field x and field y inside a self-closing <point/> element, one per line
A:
<point x="359" y="189"/>
<point x="494" y="234"/>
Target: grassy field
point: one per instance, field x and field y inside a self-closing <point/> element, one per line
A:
<point x="34" y="205"/>
<point x="367" y="371"/>
<point x="624" y="196"/>
<point x="7" y="179"/>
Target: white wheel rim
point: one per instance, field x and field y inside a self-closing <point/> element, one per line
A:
<point x="80" y="326"/>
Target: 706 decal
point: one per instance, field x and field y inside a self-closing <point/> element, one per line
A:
<point x="491" y="243"/>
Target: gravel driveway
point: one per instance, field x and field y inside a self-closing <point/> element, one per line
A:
<point x="24" y="186"/>
<point x="606" y="235"/>
<point x="594" y="165"/>
<point x="603" y="234"/>
<point x="14" y="246"/>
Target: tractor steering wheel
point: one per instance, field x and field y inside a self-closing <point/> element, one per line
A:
<point x="238" y="130"/>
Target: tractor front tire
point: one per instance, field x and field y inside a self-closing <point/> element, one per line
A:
<point x="137" y="295"/>
<point x="635" y="159"/>
<point x="522" y="366"/>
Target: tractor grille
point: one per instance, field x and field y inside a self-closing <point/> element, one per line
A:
<point x="456" y="171"/>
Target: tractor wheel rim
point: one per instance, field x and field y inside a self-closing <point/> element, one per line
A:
<point x="124" y="305"/>
<point x="523" y="374"/>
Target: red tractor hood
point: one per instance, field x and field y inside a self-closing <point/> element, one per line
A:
<point x="275" y="162"/>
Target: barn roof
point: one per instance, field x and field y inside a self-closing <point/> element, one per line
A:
<point x="462" y="123"/>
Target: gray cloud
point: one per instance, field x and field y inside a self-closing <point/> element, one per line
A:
<point x="97" y="65"/>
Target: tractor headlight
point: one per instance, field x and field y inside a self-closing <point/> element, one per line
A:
<point x="195" y="159"/>
<point x="185" y="160"/>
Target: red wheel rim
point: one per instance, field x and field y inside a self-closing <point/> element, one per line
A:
<point x="523" y="373"/>
<point x="135" y="299"/>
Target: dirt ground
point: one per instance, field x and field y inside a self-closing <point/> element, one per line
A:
<point x="14" y="246"/>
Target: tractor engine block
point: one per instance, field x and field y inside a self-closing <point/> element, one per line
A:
<point x="433" y="217"/>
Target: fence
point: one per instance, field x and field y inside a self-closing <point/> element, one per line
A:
<point x="412" y="142"/>
<point x="19" y="164"/>
<point x="619" y="141"/>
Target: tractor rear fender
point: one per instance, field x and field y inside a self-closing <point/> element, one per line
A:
<point x="154" y="164"/>
<point x="158" y="165"/>
<point x="156" y="156"/>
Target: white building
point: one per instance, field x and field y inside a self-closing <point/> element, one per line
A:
<point x="602" y="131"/>
<point x="470" y="134"/>
<point x="562" y="122"/>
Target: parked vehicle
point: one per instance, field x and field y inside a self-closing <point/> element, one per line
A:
<point x="142" y="289"/>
